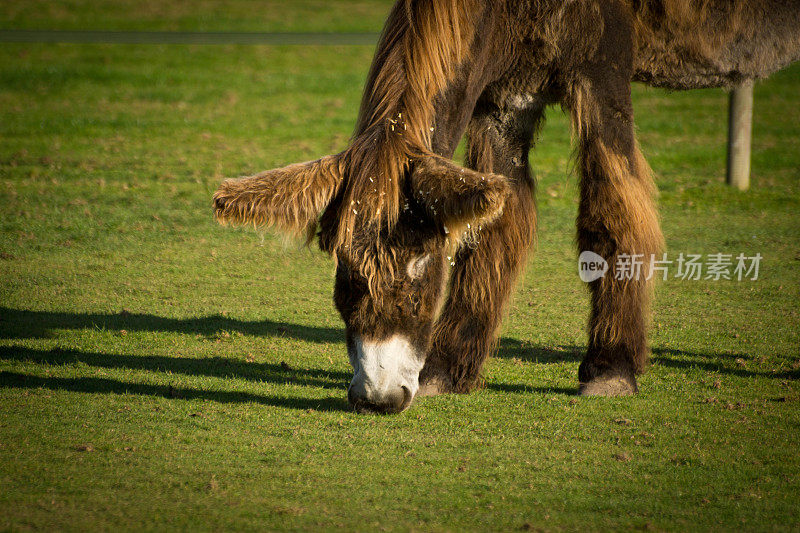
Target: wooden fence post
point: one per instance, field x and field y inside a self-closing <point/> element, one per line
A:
<point x="740" y="129"/>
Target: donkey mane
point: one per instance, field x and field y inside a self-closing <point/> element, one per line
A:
<point x="422" y="44"/>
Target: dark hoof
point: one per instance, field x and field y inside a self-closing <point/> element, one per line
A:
<point x="609" y="385"/>
<point x="432" y="384"/>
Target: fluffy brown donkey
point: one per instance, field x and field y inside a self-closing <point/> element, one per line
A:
<point x="401" y="219"/>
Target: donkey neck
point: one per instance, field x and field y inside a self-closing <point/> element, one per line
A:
<point x="454" y="106"/>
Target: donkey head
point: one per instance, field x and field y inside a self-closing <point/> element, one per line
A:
<point x="390" y="266"/>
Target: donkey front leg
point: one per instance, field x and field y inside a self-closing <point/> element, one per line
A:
<point x="485" y="267"/>
<point x="617" y="221"/>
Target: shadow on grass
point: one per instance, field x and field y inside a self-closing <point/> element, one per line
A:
<point x="511" y="348"/>
<point x="521" y="388"/>
<point x="111" y="386"/>
<point x="259" y="372"/>
<point x="690" y="360"/>
<point x="22" y="324"/>
<point x="218" y="367"/>
<point x="712" y="362"/>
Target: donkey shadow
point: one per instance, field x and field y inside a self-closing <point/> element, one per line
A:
<point x="668" y="357"/>
<point x="219" y="367"/>
<point x="93" y="385"/>
<point x="22" y="324"/>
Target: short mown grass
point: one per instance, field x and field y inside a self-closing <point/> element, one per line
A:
<point x="160" y="372"/>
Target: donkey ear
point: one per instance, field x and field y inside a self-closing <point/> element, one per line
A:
<point x="289" y="198"/>
<point x="457" y="197"/>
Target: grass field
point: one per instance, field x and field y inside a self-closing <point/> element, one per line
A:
<point x="160" y="372"/>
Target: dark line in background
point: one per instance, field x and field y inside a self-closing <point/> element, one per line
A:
<point x="185" y="37"/>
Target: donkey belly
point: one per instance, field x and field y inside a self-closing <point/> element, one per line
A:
<point x="719" y="46"/>
<point x="663" y="68"/>
<point x="673" y="69"/>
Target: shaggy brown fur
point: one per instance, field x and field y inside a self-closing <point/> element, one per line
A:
<point x="391" y="206"/>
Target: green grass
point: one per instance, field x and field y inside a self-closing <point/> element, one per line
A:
<point x="160" y="372"/>
<point x="196" y="15"/>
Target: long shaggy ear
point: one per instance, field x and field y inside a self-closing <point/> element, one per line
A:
<point x="289" y="198"/>
<point x="456" y="197"/>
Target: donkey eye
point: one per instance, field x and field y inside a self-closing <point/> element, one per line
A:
<point x="416" y="267"/>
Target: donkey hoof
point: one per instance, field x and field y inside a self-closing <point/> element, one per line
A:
<point x="434" y="385"/>
<point x="614" y="385"/>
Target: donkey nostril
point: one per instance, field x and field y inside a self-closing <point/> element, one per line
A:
<point x="394" y="402"/>
<point x="407" y="397"/>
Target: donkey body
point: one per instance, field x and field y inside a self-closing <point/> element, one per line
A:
<point x="394" y="210"/>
